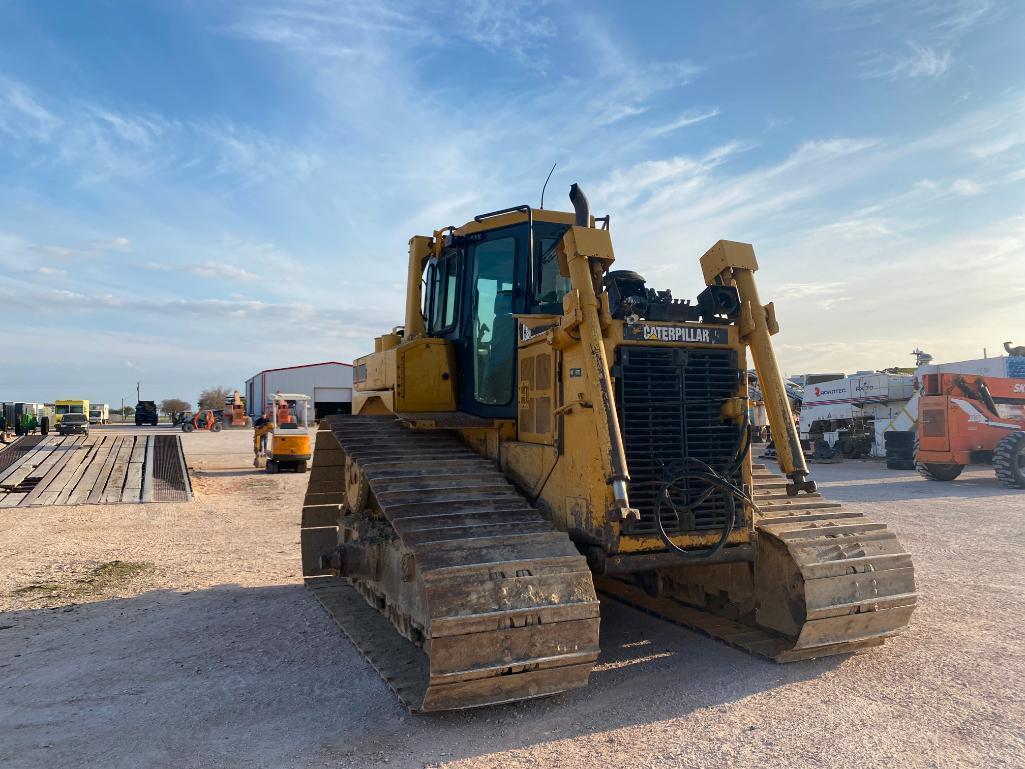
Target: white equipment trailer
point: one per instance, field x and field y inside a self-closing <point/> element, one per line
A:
<point x="869" y="400"/>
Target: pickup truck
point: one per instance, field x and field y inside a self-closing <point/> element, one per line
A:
<point x="74" y="424"/>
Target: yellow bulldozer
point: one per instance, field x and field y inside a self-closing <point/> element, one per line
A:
<point x="543" y="429"/>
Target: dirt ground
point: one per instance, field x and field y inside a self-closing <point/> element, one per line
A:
<point x="180" y="635"/>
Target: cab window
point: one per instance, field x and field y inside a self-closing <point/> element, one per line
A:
<point x="442" y="280"/>
<point x="550" y="285"/>
<point x="494" y="327"/>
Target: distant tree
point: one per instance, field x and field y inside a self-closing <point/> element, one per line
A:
<point x="127" y="411"/>
<point x="170" y="407"/>
<point x="214" y="397"/>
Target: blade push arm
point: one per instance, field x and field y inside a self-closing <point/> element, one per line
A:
<point x="726" y="263"/>
<point x="585" y="253"/>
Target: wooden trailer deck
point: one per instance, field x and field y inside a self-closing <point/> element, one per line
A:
<point x="99" y="469"/>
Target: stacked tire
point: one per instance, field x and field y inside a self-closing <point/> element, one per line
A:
<point x="900" y="449"/>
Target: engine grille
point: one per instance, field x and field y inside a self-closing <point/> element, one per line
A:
<point x="668" y="400"/>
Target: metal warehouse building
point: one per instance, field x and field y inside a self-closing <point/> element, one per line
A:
<point x="329" y="384"/>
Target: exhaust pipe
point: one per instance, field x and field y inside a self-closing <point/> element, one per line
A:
<point x="580" y="206"/>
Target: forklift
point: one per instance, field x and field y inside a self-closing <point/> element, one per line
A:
<point x="284" y="441"/>
<point x="204" y="419"/>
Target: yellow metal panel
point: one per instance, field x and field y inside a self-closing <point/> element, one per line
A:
<point x="537" y="386"/>
<point x="290" y="446"/>
<point x="724" y="255"/>
<point x="425" y="376"/>
<point x="515" y="217"/>
<point x="527" y="464"/>
<point x="375" y="371"/>
<point x="374" y="402"/>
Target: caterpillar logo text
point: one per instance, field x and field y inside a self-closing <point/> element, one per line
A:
<point x="651" y="332"/>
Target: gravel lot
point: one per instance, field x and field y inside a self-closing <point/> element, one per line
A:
<point x="201" y="648"/>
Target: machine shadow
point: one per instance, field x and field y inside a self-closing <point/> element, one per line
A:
<point x="265" y="676"/>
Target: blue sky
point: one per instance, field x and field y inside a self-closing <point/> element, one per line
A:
<point x="193" y="191"/>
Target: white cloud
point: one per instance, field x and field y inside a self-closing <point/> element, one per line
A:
<point x="913" y="38"/>
<point x="208" y="270"/>
<point x="965" y="187"/>
<point x="824" y="295"/>
<point x="921" y="61"/>
<point x="22" y="116"/>
<point x="686" y="119"/>
<point x="61" y="252"/>
<point x="112" y="244"/>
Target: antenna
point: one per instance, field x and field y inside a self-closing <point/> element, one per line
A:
<point x="546" y="185"/>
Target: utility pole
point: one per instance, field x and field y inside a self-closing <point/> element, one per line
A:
<point x="122" y="409"/>
<point x="137" y="396"/>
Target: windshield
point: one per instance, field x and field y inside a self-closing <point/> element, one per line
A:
<point x="62" y="409"/>
<point x="74" y="419"/>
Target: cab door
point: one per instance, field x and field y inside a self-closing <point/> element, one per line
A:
<point x="495" y="277"/>
<point x="473" y="293"/>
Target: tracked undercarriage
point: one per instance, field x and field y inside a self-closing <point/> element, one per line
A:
<point x="492" y="603"/>
<point x="823" y="581"/>
<point x="461" y="594"/>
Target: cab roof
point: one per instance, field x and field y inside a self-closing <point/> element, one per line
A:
<point x="508" y="217"/>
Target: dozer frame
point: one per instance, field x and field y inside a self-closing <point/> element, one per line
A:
<point x="539" y="419"/>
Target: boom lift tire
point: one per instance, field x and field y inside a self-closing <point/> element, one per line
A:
<point x="187" y="427"/>
<point x="1008" y="460"/>
<point x="936" y="472"/>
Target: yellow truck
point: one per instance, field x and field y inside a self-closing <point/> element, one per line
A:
<point x="60" y="408"/>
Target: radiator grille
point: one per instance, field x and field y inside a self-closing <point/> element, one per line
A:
<point x="669" y="400"/>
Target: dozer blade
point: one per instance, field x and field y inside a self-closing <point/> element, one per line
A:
<point x="494" y="605"/>
<point x="824" y="581"/>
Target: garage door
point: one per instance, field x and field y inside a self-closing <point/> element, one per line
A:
<point x="332" y="394"/>
<point x="331" y="400"/>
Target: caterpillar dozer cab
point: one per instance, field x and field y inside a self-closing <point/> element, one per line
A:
<point x="542" y="429"/>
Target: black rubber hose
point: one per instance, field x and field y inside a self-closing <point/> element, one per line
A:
<point x="695" y="469"/>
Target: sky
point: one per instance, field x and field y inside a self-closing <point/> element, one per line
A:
<point x="191" y="192"/>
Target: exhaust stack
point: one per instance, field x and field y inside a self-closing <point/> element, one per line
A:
<point x="580" y="206"/>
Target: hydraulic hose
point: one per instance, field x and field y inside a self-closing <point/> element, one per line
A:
<point x="691" y="469"/>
